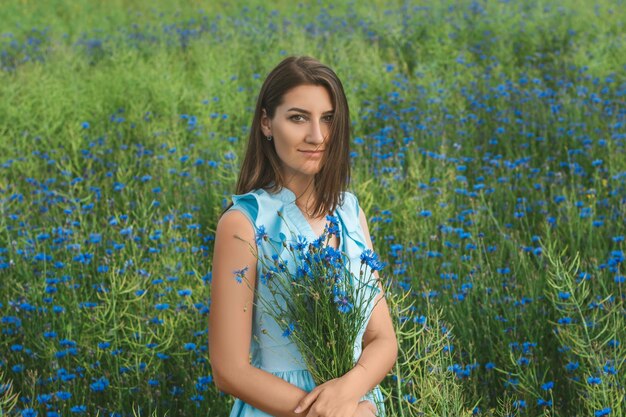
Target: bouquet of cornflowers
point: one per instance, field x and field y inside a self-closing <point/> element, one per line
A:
<point x="317" y="300"/>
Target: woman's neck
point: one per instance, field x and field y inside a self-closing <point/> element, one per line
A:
<point x="305" y="195"/>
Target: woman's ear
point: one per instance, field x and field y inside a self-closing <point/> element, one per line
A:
<point x="266" y="123"/>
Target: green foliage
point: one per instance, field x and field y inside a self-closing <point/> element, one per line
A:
<point x="421" y="382"/>
<point x="489" y="159"/>
<point x="591" y="328"/>
<point x="8" y="398"/>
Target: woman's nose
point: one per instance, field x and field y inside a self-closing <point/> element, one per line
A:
<point x="316" y="134"/>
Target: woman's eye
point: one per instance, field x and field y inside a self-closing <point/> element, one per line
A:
<point x="297" y="118"/>
<point x="328" y="118"/>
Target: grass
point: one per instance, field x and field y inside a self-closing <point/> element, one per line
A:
<point x="488" y="142"/>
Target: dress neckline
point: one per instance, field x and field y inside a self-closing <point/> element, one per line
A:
<point x="297" y="216"/>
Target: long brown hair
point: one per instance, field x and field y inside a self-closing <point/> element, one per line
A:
<point x="261" y="165"/>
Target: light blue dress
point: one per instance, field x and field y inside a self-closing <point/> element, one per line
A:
<point x="269" y="349"/>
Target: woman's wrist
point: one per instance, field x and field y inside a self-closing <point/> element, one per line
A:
<point x="352" y="378"/>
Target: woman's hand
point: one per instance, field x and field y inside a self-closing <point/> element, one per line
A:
<point x="365" y="409"/>
<point x="333" y="398"/>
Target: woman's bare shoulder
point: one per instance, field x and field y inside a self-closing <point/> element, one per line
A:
<point x="234" y="222"/>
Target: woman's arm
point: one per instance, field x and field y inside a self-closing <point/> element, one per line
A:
<point x="230" y="323"/>
<point x="380" y="349"/>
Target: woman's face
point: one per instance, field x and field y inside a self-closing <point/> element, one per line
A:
<point x="300" y="128"/>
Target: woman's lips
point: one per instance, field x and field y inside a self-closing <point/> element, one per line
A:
<point x="313" y="153"/>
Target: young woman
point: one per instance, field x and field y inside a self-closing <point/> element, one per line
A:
<point x="297" y="161"/>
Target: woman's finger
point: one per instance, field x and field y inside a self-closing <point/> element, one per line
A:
<point x="307" y="401"/>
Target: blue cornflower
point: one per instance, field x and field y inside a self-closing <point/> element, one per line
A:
<point x="370" y="258"/>
<point x="519" y="404"/>
<point x="594" y="380"/>
<point x="333" y="256"/>
<point x="43" y="398"/>
<point x="609" y="369"/>
<point x="63" y="395"/>
<point x="240" y="273"/>
<point x="282" y="266"/>
<point x="544" y="403"/>
<point x="343" y="303"/>
<point x="572" y="366"/>
<point x="511" y="382"/>
<point x="604" y="412"/>
<point x="197" y="398"/>
<point x="302" y="271"/>
<point x="409" y="398"/>
<point x="289" y="330"/>
<point x="547" y="386"/>
<point x="300" y="244"/>
<point x="528" y="345"/>
<point x="333" y="226"/>
<point x="266" y="277"/>
<point x="100" y="385"/>
<point x="205" y="379"/>
<point x="317" y="243"/>
<point x="260" y="235"/>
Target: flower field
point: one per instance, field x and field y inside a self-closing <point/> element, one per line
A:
<point x="488" y="153"/>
